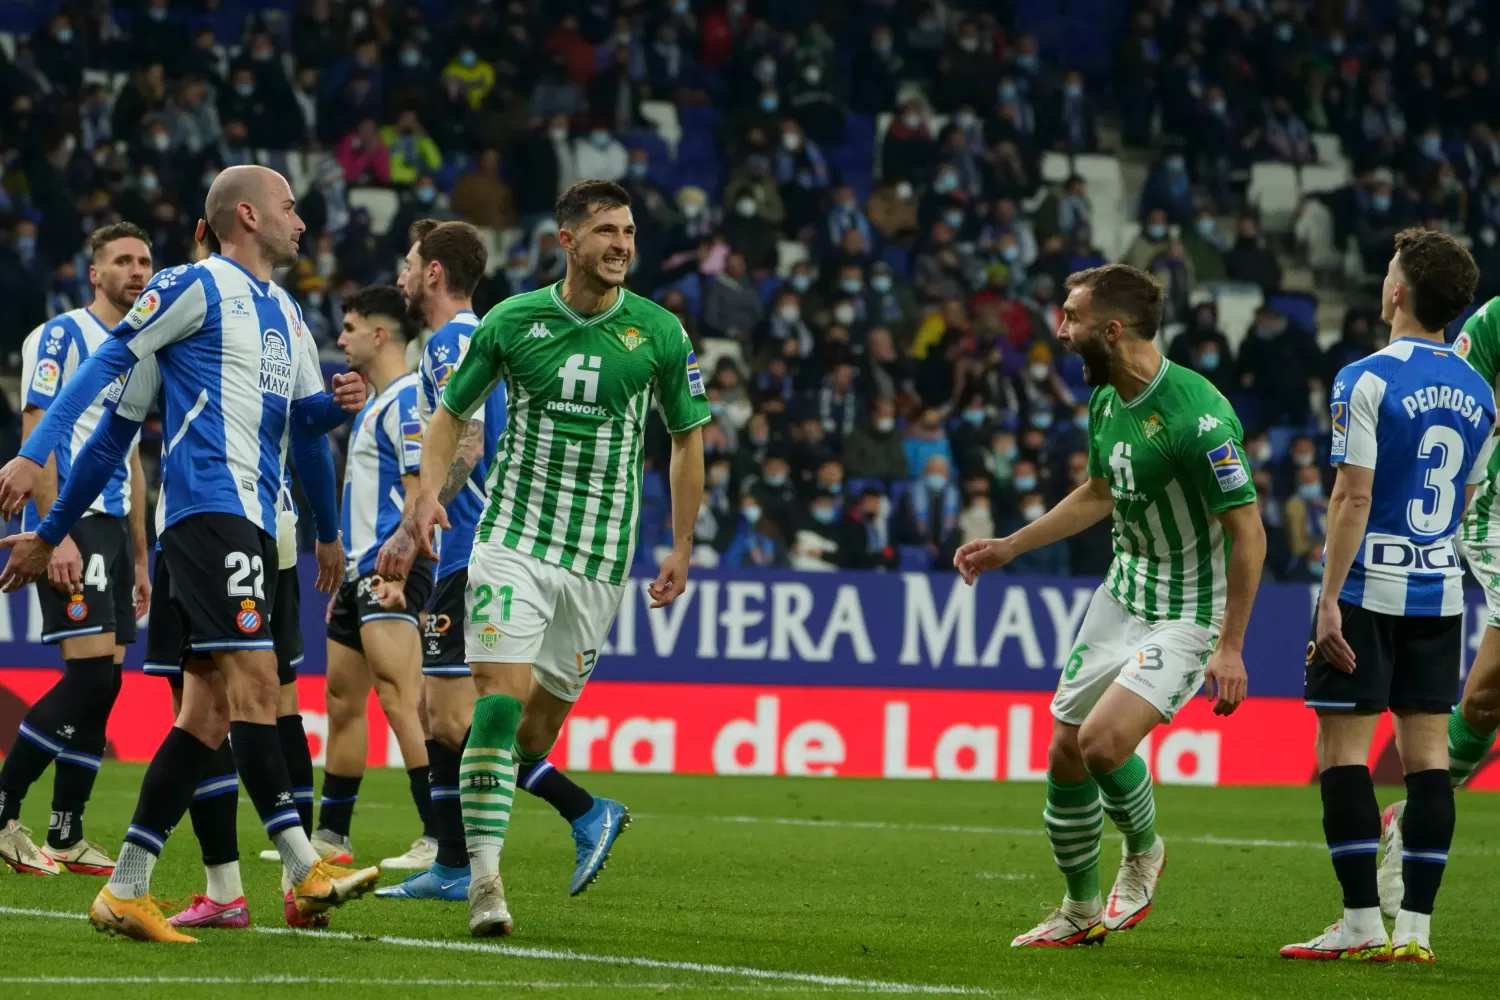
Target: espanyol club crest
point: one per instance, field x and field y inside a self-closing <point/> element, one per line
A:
<point x="248" y="619"/>
<point x="77" y="609"/>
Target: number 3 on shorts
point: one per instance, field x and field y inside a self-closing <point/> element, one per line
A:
<point x="484" y="597"/>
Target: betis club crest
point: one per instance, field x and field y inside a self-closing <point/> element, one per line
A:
<point x="248" y="619"/>
<point x="1152" y="425"/>
<point x="488" y="635"/>
<point x="631" y="338"/>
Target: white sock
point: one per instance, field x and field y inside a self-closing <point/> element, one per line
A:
<point x="296" y="852"/>
<point x="224" y="882"/>
<point x="132" y="875"/>
<point x="484" y="855"/>
<point x="1413" y="926"/>
<point x="1364" y="921"/>
<point x="1078" y="908"/>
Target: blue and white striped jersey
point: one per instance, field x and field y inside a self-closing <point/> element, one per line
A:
<point x="229" y="355"/>
<point x="440" y="358"/>
<point x="386" y="444"/>
<point x="49" y="357"/>
<point x="1419" y="416"/>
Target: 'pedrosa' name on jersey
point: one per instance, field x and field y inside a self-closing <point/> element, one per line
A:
<point x="1443" y="397"/>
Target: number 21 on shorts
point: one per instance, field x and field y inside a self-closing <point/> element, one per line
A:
<point x="483" y="608"/>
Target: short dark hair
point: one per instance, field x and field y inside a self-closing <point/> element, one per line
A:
<point x="584" y="198"/>
<point x="458" y="247"/>
<point x="1128" y="294"/>
<point x="1440" y="273"/>
<point x="115" y="231"/>
<point x="385" y="301"/>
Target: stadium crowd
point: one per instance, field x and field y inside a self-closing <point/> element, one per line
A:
<point x="876" y="304"/>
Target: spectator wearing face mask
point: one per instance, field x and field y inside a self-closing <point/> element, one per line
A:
<point x="1024" y="478"/>
<point x="772" y="487"/>
<point x="731" y="307"/>
<point x="600" y="155"/>
<point x="1281" y="363"/>
<point x="1249" y="260"/>
<point x="1205" y="246"/>
<point x="1302" y="453"/>
<point x="925" y="439"/>
<point x="818" y="545"/>
<point x="1151" y="242"/>
<point x="931" y="507"/>
<point x="757" y="540"/>
<point x="909" y="149"/>
<point x="1042" y="391"/>
<point x="1000" y="459"/>
<point x="873" y="450"/>
<point x="1169" y="189"/>
<point x="412" y="150"/>
<point x="421" y="201"/>
<point x="1070" y="127"/>
<point x="1357" y="335"/>
<point x="482" y="196"/>
<point x="469" y="77"/>
<point x="745" y="229"/>
<point x="1306" y="512"/>
<point x="892" y="209"/>
<point x="1308" y="568"/>
<point x="1049" y="560"/>
<point x="870" y="541"/>
<point x="803" y="174"/>
<point x="785" y="323"/>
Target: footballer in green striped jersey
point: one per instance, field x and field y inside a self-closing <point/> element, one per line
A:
<point x="583" y="362"/>
<point x="1166" y="464"/>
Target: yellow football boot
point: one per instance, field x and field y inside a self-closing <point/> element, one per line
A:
<point x="327" y="886"/>
<point x="140" y="919"/>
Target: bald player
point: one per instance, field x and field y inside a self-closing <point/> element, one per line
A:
<point x="221" y="344"/>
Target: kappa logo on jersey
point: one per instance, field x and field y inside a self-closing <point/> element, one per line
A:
<point x="631" y="338"/>
<point x="145" y="307"/>
<point x="1206" y="423"/>
<point x="275" y="365"/>
<point x="539" y="330"/>
<point x="248" y="620"/>
<point x="695" y="375"/>
<point x="1227" y="466"/>
<point x="1462" y="345"/>
<point x="1340" y="443"/>
<point x="44" y="380"/>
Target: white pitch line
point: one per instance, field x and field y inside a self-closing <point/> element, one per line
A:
<point x="292" y="980"/>
<point x="812" y="979"/>
<point x="1003" y="831"/>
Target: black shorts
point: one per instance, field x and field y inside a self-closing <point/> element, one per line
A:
<point x="1401" y="663"/>
<point x="355" y="604"/>
<point x="106" y="600"/>
<point x="166" y="646"/>
<point x="222" y="582"/>
<point x="442" y="633"/>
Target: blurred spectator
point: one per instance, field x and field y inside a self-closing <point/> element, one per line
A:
<point x="1250" y="261"/>
<point x="731" y="306"/>
<point x="1280" y="362"/>
<point x="873" y="450"/>
<point x="803" y="176"/>
<point x="757" y="539"/>
<point x="481" y="195"/>
<point x="1357" y="336"/>
<point x="1286" y="134"/>
<point x="872" y="542"/>
<point x="363" y="155"/>
<point x="925" y="439"/>
<point x="1070" y="126"/>
<point x="1204" y="246"/>
<point x="1151" y="242"/>
<point x="600" y="155"/>
<point x="909" y="149"/>
<point x="1049" y="560"/>
<point x="751" y="233"/>
<point x="1306" y="512"/>
<point x="892" y="209"/>
<point x="468" y="77"/>
<point x="931" y="507"/>
<point x="1203" y="348"/>
<point x="1169" y="190"/>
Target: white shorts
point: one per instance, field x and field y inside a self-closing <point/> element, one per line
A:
<point x="520" y="609"/>
<point x="1484" y="562"/>
<point x="1163" y="663"/>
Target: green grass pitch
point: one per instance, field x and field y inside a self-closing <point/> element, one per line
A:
<point x="776" y="887"/>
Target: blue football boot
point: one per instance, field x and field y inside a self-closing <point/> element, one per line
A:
<point x="451" y="885"/>
<point x="595" y="833"/>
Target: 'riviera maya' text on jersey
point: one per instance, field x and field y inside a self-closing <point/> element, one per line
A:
<point x="565" y="486"/>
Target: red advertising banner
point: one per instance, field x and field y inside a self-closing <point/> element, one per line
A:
<point x="852" y="732"/>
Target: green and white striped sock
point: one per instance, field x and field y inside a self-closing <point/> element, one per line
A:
<point x="1075" y="822"/>
<point x="1466" y="748"/>
<point x="487" y="780"/>
<point x="1126" y="792"/>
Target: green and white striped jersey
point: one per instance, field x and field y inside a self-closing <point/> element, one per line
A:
<point x="1479" y="345"/>
<point x="1174" y="458"/>
<point x="565" y="486"/>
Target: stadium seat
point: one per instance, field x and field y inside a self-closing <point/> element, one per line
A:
<point x="1237" y="304"/>
<point x="661" y="153"/>
<point x="1313" y="232"/>
<point x="789" y="253"/>
<point x="1280" y="439"/>
<point x="1055" y="167"/>
<point x="382" y="204"/>
<point x="1274" y="193"/>
<point x="663" y="115"/>
<point x="1299" y="308"/>
<point x="914" y="559"/>
<point x="8" y="45"/>
<point x="1315" y="178"/>
<point x="858" y="486"/>
<point x="1329" y="146"/>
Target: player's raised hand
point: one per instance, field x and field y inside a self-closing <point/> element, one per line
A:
<point x="982" y="555"/>
<point x="1225" y="681"/>
<point x="349" y="391"/>
<point x="17" y="484"/>
<point x="671" y="581"/>
<point x="1329" y="637"/>
<point x="424" y="515"/>
<point x="396" y="556"/>
<point x="65" y="568"/>
<point x="28" y="560"/>
<point x="330" y="564"/>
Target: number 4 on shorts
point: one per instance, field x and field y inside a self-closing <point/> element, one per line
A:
<point x="484" y="597"/>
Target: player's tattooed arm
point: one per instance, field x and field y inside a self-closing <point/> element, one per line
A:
<point x="470" y="451"/>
